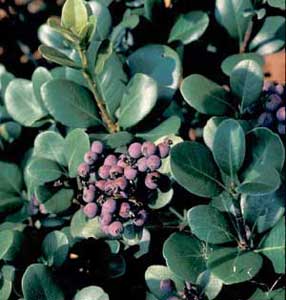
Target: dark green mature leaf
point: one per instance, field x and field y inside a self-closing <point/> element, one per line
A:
<point x="138" y="100"/>
<point x="184" y="256"/>
<point x="220" y="230"/>
<point x="11" y="243"/>
<point x="189" y="27"/>
<point x="76" y="145"/>
<point x="22" y="104"/>
<point x="246" y="81"/>
<point x="39" y="284"/>
<point x="6" y="241"/>
<point x="265" y="149"/>
<point x="259" y="182"/>
<point x="277" y="3"/>
<point x="57" y="57"/>
<point x="271" y="36"/>
<point x="273" y="246"/>
<point x="193" y="167"/>
<point x="231" y="61"/>
<point x="167" y="127"/>
<point x="233" y="266"/>
<point x="278" y="294"/>
<point x="210" y="130"/>
<point x="42" y="170"/>
<point x="229" y="147"/>
<point x="209" y="284"/>
<point x="230" y="14"/>
<point x="263" y="212"/>
<point x="161" y="199"/>
<point x="114" y="140"/>
<point x="153" y="276"/>
<point x="204" y="95"/>
<point x="55" y="248"/>
<point x="5" y="289"/>
<point x="50" y="145"/>
<point x="161" y="63"/>
<point x="91" y="293"/>
<point x="111" y="83"/>
<point x="70" y="103"/>
<point x="74" y="16"/>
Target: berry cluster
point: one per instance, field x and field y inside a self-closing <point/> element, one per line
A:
<point x="273" y="115"/>
<point x="115" y="186"/>
<point x="189" y="292"/>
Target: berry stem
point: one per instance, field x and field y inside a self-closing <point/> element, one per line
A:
<point x="108" y="123"/>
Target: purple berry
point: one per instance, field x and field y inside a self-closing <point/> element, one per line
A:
<point x="130" y="173"/>
<point x="105" y="219"/>
<point x="281" y="128"/>
<point x="265" y="119"/>
<point x="154" y="162"/>
<point x="122" y="163"/>
<point x="274" y="101"/>
<point x="115" y="228"/>
<point x="280" y="114"/>
<point x="110" y="160"/>
<point x="142" y="164"/>
<point x="100" y="184"/>
<point x="148" y="149"/>
<point x="134" y="150"/>
<point x="110" y="187"/>
<point x="141" y="218"/>
<point x="90" y="210"/>
<point x="121" y="182"/>
<point x="151" y="180"/>
<point x="267" y="86"/>
<point x="97" y="147"/>
<point x="103" y="172"/>
<point x="166" y="285"/>
<point x="83" y="169"/>
<point x="279" y="89"/>
<point x="109" y="206"/>
<point x="88" y="194"/>
<point x="164" y="150"/>
<point x="115" y="171"/>
<point x="90" y="157"/>
<point x="124" y="210"/>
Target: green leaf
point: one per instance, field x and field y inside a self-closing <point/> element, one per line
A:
<point x="263" y="212"/>
<point x="278" y="294"/>
<point x="233" y="266"/>
<point x="189" y="27"/>
<point x="209" y="284"/>
<point x="70" y="103"/>
<point x="50" y="145"/>
<point x="5" y="289"/>
<point x="153" y="276"/>
<point x="76" y="145"/>
<point x="57" y="57"/>
<point x="139" y="99"/>
<point x="277" y="3"/>
<point x="11" y="243"/>
<point x="83" y="227"/>
<point x="41" y="171"/>
<point x="229" y="147"/>
<point x="161" y="199"/>
<point x="54" y="203"/>
<point x="184" y="256"/>
<point x="271" y="36"/>
<point x="22" y="104"/>
<point x="259" y="182"/>
<point x="231" y="61"/>
<point x="161" y="63"/>
<point x="167" y="127"/>
<point x="193" y="168"/>
<point x="273" y="246"/>
<point x="230" y="14"/>
<point x="39" y="284"/>
<point x="210" y="130"/>
<point x="246" y="81"/>
<point x="103" y="54"/>
<point x="91" y="293"/>
<point x="220" y="230"/>
<point x="74" y="16"/>
<point x="10" y="131"/>
<point x="114" y="140"/>
<point x="55" y="248"/>
<point x="205" y="96"/>
<point x="265" y="149"/>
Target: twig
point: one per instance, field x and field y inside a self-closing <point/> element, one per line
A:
<point x="246" y="37"/>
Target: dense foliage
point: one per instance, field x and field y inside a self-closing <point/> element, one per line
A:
<point x="147" y="160"/>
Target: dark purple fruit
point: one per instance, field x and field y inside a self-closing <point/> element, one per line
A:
<point x="90" y="210"/>
<point x="130" y="173"/>
<point x="124" y="210"/>
<point x="115" y="228"/>
<point x="148" y="149"/>
<point x="280" y="114"/>
<point x="109" y="206"/>
<point x="153" y="162"/>
<point x="121" y="182"/>
<point x="110" y="160"/>
<point x="103" y="171"/>
<point x="134" y="150"/>
<point x="100" y="184"/>
<point x="273" y="103"/>
<point x="88" y="194"/>
<point x="151" y="180"/>
<point x="105" y="218"/>
<point x="281" y="128"/>
<point x="164" y="150"/>
<point x="142" y="164"/>
<point x="115" y="171"/>
<point x="83" y="169"/>
<point x="265" y="119"/>
<point x="90" y="157"/>
<point x="97" y="147"/>
<point x="141" y="218"/>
